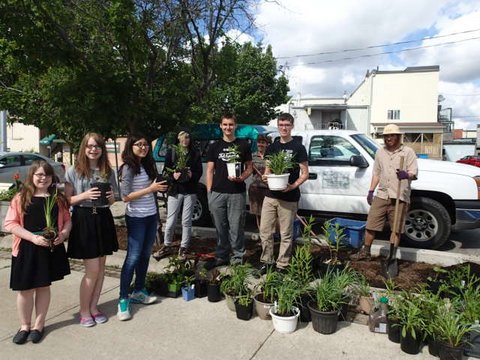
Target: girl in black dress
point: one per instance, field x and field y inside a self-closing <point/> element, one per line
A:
<point x="36" y="261"/>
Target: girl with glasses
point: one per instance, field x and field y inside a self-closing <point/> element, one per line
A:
<point x="36" y="262"/>
<point x="138" y="189"/>
<point x="93" y="233"/>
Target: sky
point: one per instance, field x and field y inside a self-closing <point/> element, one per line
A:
<point x="325" y="47"/>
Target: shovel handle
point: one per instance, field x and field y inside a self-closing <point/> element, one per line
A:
<point x="397" y="201"/>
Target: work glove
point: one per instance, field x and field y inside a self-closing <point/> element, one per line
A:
<point x="370" y="197"/>
<point x="402" y="174"/>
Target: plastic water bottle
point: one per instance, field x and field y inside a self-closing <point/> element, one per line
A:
<point x="377" y="321"/>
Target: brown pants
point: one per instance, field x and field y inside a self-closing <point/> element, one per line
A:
<point x="381" y="210"/>
<point x="285" y="212"/>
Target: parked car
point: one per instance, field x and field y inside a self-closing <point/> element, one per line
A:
<point x="470" y="160"/>
<point x="12" y="163"/>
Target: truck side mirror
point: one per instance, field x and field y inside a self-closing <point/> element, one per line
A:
<point x="358" y="161"/>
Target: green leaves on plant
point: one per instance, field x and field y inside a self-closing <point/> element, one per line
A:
<point x="280" y="162"/>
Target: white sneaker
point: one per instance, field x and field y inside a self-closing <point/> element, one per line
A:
<point x="142" y="297"/>
<point x="123" y="312"/>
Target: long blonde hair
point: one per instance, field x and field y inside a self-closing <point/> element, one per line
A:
<point x="82" y="167"/>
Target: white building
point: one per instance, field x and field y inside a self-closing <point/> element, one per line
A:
<point x="407" y="97"/>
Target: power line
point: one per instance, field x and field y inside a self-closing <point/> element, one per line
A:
<point x="377" y="46"/>
<point x="461" y="94"/>
<point x="383" y="53"/>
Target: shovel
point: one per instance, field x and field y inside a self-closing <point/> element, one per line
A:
<point x="390" y="266"/>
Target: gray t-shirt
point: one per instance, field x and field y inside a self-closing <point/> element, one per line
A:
<point x="81" y="184"/>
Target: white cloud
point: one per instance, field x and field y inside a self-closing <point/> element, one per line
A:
<point x="299" y="27"/>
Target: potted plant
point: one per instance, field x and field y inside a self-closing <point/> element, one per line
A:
<point x="300" y="271"/>
<point x="244" y="306"/>
<point x="395" y="301"/>
<point x="103" y="184"/>
<point x="180" y="156"/>
<point x="334" y="236"/>
<point x="279" y="164"/>
<point x="412" y="321"/>
<point x="201" y="282"/>
<point x="471" y="311"/>
<point x="233" y="162"/>
<point x="213" y="287"/>
<point x="236" y="283"/>
<point x="266" y="297"/>
<point x="50" y="230"/>
<point x="284" y="313"/>
<point x="328" y="300"/>
<point x="177" y="271"/>
<point x="188" y="288"/>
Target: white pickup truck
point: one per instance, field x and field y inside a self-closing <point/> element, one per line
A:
<point x="445" y="196"/>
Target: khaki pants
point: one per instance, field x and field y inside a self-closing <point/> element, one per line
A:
<point x="285" y="212"/>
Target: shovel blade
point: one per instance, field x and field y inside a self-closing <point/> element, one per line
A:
<point x="390" y="268"/>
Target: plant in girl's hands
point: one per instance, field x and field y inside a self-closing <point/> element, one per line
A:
<point x="49" y="232"/>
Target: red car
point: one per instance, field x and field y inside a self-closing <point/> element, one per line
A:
<point x="470" y="160"/>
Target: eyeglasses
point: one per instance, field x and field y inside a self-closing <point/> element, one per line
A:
<point x="94" y="147"/>
<point x="142" y="145"/>
<point x="42" y="176"/>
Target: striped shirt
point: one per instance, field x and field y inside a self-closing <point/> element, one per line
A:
<point x="143" y="206"/>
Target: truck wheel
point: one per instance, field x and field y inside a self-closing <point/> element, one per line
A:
<point x="427" y="224"/>
<point x="201" y="214"/>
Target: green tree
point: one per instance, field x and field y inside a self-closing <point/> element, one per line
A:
<point x="120" y="65"/>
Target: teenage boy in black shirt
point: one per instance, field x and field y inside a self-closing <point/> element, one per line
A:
<point x="227" y="194"/>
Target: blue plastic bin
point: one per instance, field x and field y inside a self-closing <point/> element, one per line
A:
<point x="354" y="231"/>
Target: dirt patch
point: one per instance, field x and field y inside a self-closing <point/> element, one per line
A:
<point x="411" y="274"/>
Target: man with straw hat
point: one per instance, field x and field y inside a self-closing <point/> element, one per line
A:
<point x="393" y="171"/>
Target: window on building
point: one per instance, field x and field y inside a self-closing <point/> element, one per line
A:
<point x="393" y="114"/>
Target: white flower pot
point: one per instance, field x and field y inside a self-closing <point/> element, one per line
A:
<point x="233" y="169"/>
<point x="277" y="182"/>
<point x="285" y="324"/>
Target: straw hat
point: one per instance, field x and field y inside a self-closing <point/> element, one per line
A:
<point x="391" y="129"/>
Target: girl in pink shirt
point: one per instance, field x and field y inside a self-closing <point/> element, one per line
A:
<point x="36" y="261"/>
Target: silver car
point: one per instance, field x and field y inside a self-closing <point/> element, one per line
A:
<point x="12" y="163"/>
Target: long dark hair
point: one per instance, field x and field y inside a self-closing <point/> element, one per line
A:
<point x="130" y="159"/>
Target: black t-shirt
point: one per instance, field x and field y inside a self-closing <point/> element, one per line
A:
<point x="218" y="153"/>
<point x="299" y="155"/>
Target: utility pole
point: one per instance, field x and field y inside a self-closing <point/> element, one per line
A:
<point x="3" y="130"/>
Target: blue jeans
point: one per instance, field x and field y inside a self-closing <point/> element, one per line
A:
<point x="141" y="236"/>
<point x="228" y="213"/>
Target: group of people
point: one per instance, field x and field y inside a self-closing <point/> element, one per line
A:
<point x="88" y="223"/>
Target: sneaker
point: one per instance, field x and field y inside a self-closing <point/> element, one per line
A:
<point x="182" y="253"/>
<point x="87" y="321"/>
<point x="142" y="297"/>
<point x="165" y="250"/>
<point x="363" y="254"/>
<point x="100" y="318"/>
<point x="123" y="312"/>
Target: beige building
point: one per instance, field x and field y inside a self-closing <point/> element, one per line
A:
<point x="406" y="97"/>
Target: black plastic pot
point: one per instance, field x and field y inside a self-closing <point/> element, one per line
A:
<point x="410" y="345"/>
<point x="200" y="288"/>
<point x="103" y="187"/>
<point x="393" y="330"/>
<point x="183" y="176"/>
<point x="433" y="346"/>
<point x="323" y="322"/>
<point x="244" y="312"/>
<point x="342" y="315"/>
<point x="472" y="347"/>
<point x="213" y="292"/>
<point x="303" y="306"/>
<point x="448" y="352"/>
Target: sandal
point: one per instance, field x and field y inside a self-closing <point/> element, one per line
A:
<point x="162" y="252"/>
